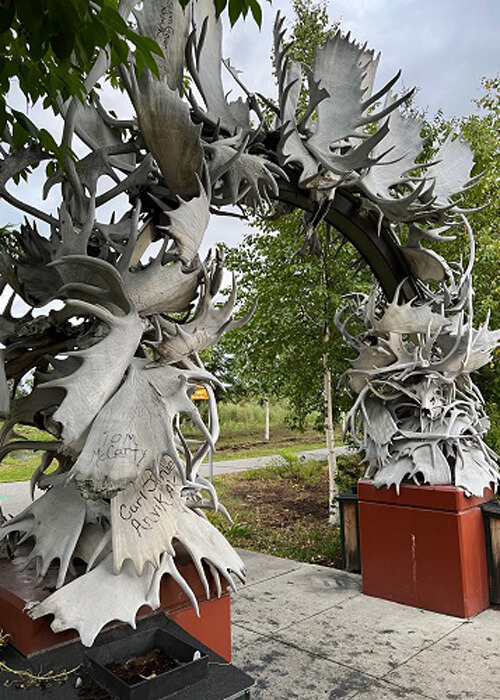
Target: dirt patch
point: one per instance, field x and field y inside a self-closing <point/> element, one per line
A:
<point x="284" y="501"/>
<point x="281" y="511"/>
<point x="281" y="443"/>
<point x="143" y="667"/>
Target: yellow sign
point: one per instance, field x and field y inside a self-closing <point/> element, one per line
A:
<point x="199" y="394"/>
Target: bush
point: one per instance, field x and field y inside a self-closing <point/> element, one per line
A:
<point x="493" y="436"/>
<point x="350" y="468"/>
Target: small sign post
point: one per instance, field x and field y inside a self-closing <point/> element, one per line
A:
<point x="201" y="394"/>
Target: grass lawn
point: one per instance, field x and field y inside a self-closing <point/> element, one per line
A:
<point x="20" y="465"/>
<point x="252" y="445"/>
<point x="283" y="511"/>
<point x="242" y="430"/>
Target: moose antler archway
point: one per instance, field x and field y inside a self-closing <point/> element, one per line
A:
<point x="117" y="364"/>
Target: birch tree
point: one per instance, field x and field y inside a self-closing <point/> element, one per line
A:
<point x="289" y="348"/>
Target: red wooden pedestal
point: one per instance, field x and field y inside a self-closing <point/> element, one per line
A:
<point x="29" y="636"/>
<point x="424" y="547"/>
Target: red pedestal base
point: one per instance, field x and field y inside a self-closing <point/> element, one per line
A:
<point x="29" y="636"/>
<point x="424" y="547"/>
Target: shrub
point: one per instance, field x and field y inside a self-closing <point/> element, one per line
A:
<point x="493" y="436"/>
<point x="350" y="468"/>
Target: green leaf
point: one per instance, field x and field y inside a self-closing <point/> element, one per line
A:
<point x="220" y="6"/>
<point x="236" y="8"/>
<point x="114" y="21"/>
<point x="120" y="48"/>
<point x="98" y="33"/>
<point x="62" y="43"/>
<point x="51" y="168"/>
<point x="147" y="44"/>
<point x="143" y="46"/>
<point x="256" y="11"/>
<point x="140" y="63"/>
<point x="7" y="14"/>
<point x="4" y="118"/>
<point x="25" y="123"/>
<point x="30" y="15"/>
<point x="19" y="135"/>
<point x="47" y="141"/>
<point x="70" y="16"/>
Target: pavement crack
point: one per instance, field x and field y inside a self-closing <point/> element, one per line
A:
<point x="423" y="648"/>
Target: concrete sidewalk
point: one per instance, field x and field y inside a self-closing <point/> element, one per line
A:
<point x="305" y="631"/>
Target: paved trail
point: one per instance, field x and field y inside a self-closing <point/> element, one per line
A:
<point x="16" y="496"/>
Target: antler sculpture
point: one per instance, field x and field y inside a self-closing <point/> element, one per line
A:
<point x="114" y="368"/>
<point x="418" y="414"/>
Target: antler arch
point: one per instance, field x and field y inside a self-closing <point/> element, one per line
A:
<point x="182" y="157"/>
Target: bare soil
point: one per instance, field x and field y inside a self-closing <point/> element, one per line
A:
<point x="145" y="667"/>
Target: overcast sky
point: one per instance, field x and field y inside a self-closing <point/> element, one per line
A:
<point x="444" y="47"/>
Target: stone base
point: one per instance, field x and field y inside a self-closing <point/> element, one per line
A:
<point x="28" y="636"/>
<point x="424" y="547"/>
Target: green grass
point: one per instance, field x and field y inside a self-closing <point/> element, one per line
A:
<point x="247" y="418"/>
<point x="272" y="448"/>
<point x="242" y="435"/>
<point x="20" y="464"/>
<point x="283" y="510"/>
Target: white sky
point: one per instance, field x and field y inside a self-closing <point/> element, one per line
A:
<point x="444" y="47"/>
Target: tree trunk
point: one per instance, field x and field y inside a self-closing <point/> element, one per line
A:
<point x="333" y="513"/>
<point x="267" y="431"/>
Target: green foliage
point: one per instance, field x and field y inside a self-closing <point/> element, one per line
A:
<point x="48" y="46"/>
<point x="349" y="470"/>
<point x="249" y="416"/>
<point x="8" y="241"/>
<point x="482" y="132"/>
<point x="235" y="9"/>
<point x="311" y="29"/>
<point x="493" y="436"/>
<point x="280" y="351"/>
<point x="295" y="469"/>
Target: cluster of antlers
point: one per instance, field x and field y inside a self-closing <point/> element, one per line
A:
<point x="115" y="367"/>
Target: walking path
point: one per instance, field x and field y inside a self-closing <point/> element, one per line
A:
<point x="237" y="465"/>
<point x="305" y="631"/>
<point x="15" y="496"/>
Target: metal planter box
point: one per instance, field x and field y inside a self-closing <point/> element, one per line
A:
<point x="137" y="644"/>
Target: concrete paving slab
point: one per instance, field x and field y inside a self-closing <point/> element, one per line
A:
<point x="282" y="671"/>
<point x="14" y="497"/>
<point x="261" y="567"/>
<point x="379" y="690"/>
<point x="271" y="605"/>
<point x="464" y="664"/>
<point x="369" y="634"/>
